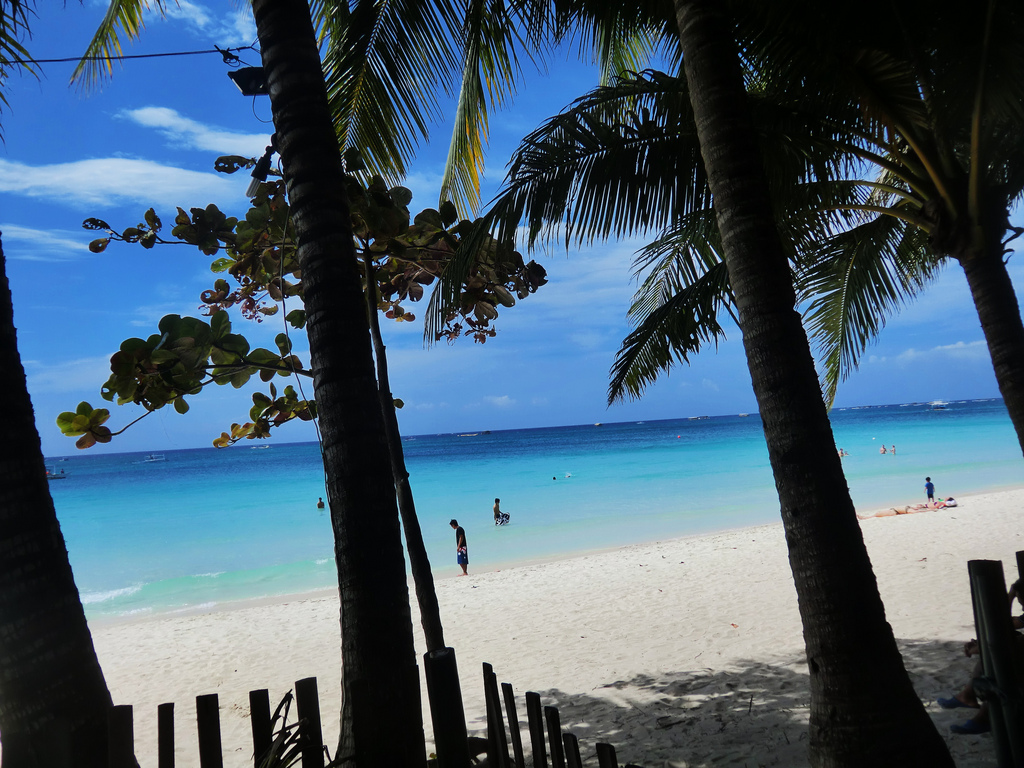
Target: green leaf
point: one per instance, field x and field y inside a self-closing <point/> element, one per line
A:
<point x="99" y="246"/>
<point x="283" y="343"/>
<point x="401" y="195"/>
<point x="296" y="318"/>
<point x="91" y="223"/>
<point x="180" y="405"/>
<point x="220" y="324"/>
<point x="153" y="220"/>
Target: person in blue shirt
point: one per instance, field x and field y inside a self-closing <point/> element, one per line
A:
<point x="929" y="488"/>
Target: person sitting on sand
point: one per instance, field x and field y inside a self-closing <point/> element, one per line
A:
<point x="966" y="696"/>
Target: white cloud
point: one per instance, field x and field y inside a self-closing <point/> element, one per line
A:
<point x="974" y="350"/>
<point x="103" y="182"/>
<point x="235" y="28"/>
<point x="187" y="133"/>
<point x="68" y="376"/>
<point x="504" y="401"/>
<point x="27" y="244"/>
<point x="709" y="385"/>
<point x="427" y="406"/>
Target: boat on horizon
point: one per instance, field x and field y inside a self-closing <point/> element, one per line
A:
<point x="151" y="457"/>
<point x="52" y="474"/>
<point x="938" y="405"/>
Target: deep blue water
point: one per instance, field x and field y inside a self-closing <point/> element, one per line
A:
<point x="206" y="526"/>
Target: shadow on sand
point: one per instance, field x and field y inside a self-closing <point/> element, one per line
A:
<point x="752" y="715"/>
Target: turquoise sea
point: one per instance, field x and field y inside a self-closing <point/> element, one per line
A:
<point x="194" y="528"/>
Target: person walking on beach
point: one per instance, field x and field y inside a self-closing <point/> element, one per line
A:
<point x="461" y="551"/>
<point x="929" y="489"/>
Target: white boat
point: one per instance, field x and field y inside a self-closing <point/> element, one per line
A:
<point x="52" y="474"/>
<point x="938" y="405"/>
<point x="154" y="457"/>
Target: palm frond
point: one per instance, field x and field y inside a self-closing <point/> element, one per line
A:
<point x="623" y="158"/>
<point x="678" y="328"/>
<point x="384" y="63"/>
<point x="489" y="72"/>
<point x="857" y="280"/>
<point x="122" y="17"/>
<point x="14" y="26"/>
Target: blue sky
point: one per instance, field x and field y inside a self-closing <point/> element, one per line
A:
<point x="149" y="136"/>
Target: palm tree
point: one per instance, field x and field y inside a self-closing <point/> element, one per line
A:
<point x="942" y="111"/>
<point x="381" y="719"/>
<point x="53" y="698"/>
<point x="863" y="708"/>
<point x="602" y="170"/>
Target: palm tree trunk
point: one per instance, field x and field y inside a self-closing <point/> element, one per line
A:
<point x="382" y="723"/>
<point x="863" y="708"/>
<point x="419" y="563"/>
<point x="53" y="698"/>
<point x="999" y="312"/>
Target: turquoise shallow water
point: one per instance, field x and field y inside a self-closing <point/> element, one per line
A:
<point x="207" y="526"/>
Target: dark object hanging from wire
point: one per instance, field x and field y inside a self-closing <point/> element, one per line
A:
<point x="250" y="81"/>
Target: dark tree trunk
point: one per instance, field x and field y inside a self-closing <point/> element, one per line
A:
<point x="53" y="699"/>
<point x="999" y="312"/>
<point x="382" y="723"/>
<point x="864" y="711"/>
<point x="419" y="563"/>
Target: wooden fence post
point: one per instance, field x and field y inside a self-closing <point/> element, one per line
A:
<point x="572" y="751"/>
<point x="165" y="735"/>
<point x="447" y="713"/>
<point x="497" y="743"/>
<point x="208" y="726"/>
<point x="535" y="718"/>
<point x="259" y="720"/>
<point x="513" y="725"/>
<point x="311" y="736"/>
<point x="606" y="757"/>
<point x="120" y="737"/>
<point x="1001" y="672"/>
<point x="555" y="737"/>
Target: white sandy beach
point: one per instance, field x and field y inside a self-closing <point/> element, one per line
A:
<point x="680" y="653"/>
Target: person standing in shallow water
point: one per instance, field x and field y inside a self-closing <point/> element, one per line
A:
<point x="500" y="518"/>
<point x="929" y="489"/>
<point x="461" y="550"/>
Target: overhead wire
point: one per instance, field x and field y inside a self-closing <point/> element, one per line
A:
<point x="229" y="57"/>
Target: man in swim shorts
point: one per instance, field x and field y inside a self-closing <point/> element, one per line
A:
<point x="500" y="518"/>
<point x="461" y="551"/>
